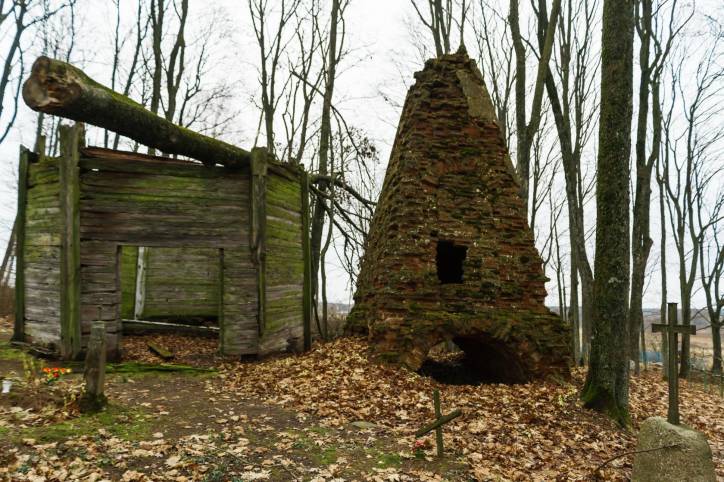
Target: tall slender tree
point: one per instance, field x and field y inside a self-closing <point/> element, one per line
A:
<point x="571" y="93"/>
<point x="651" y="37"/>
<point x="527" y="129"/>
<point x="606" y="387"/>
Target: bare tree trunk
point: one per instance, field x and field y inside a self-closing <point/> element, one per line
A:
<point x="9" y="63"/>
<point x="716" y="366"/>
<point x="663" y="308"/>
<point x="569" y="111"/>
<point x="606" y="387"/>
<point x="650" y="82"/>
<point x="575" y="315"/>
<point x="320" y="206"/>
<point x="440" y="23"/>
<point x="158" y="11"/>
<point x="140" y="36"/>
<point x="525" y="131"/>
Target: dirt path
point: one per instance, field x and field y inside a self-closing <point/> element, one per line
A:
<point x="182" y="427"/>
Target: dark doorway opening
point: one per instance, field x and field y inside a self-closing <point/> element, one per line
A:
<point x="450" y="260"/>
<point x="474" y="360"/>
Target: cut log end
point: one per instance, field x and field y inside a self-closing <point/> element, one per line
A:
<point x="52" y="86"/>
<point x="58" y="88"/>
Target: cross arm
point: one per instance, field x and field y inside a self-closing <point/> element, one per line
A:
<point x="664" y="328"/>
<point x="438" y="423"/>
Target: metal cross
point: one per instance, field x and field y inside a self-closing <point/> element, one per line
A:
<point x="671" y="330"/>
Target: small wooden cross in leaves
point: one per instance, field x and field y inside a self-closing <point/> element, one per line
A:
<point x="440" y="420"/>
<point x="671" y="330"/>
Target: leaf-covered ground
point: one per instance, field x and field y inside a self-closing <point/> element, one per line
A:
<point x="297" y="418"/>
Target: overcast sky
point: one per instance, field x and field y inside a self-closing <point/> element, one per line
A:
<point x="382" y="59"/>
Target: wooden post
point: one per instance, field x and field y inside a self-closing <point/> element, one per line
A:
<point x="440" y="420"/>
<point x="306" y="254"/>
<point x="671" y="331"/>
<point x="20" y="220"/>
<point x="222" y="338"/>
<point x="258" y="228"/>
<point x="438" y="430"/>
<point x="94" y="398"/>
<point x="71" y="139"/>
<point x="139" y="295"/>
<point x="673" y="412"/>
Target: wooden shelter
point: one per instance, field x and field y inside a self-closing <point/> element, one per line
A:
<point x="78" y="212"/>
<point x="450" y="256"/>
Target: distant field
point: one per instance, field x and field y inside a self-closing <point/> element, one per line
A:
<point x="701" y="343"/>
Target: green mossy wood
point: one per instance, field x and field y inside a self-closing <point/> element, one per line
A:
<point x="19" y="324"/>
<point x="58" y="88"/>
<point x="181" y="283"/>
<point x="93" y="398"/>
<point x="235" y="237"/>
<point x="71" y="139"/>
<point x="450" y="197"/>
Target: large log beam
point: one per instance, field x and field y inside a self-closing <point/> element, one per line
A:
<point x="58" y="88"/>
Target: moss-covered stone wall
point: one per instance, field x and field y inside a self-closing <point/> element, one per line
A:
<point x="450" y="182"/>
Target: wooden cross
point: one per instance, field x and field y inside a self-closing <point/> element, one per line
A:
<point x="440" y="420"/>
<point x="671" y="330"/>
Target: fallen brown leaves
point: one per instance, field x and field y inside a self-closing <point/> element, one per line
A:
<point x="187" y="350"/>
<point x="536" y="431"/>
<point x="290" y="418"/>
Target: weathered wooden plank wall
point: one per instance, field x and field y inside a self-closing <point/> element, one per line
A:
<point x="182" y="282"/>
<point x="39" y="253"/>
<point x="158" y="203"/>
<point x="240" y="329"/>
<point x="284" y="264"/>
<point x="172" y="207"/>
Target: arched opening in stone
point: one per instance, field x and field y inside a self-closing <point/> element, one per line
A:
<point x="474" y="360"/>
<point x="450" y="258"/>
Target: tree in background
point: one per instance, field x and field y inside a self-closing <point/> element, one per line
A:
<point x="651" y="35"/>
<point x="690" y="165"/>
<point x="495" y="56"/>
<point x="441" y="20"/>
<point x="21" y="16"/>
<point x="571" y="92"/>
<point x="526" y="129"/>
<point x="606" y="386"/>
<point x="138" y="32"/>
<point x="301" y="47"/>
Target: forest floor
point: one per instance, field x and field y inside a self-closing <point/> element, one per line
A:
<point x="327" y="415"/>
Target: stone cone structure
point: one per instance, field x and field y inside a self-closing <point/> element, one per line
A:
<point x="449" y="254"/>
